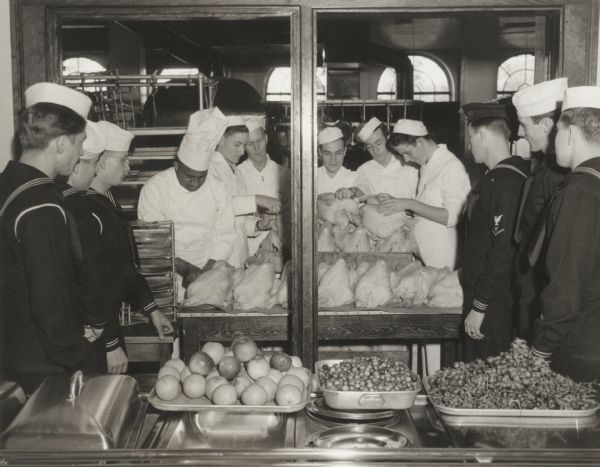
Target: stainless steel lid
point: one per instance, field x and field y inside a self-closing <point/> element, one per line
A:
<point x="358" y="436"/>
<point x="77" y="413"/>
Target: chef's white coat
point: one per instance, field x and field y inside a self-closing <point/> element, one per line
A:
<point x="395" y="179"/>
<point x="244" y="208"/>
<point x="203" y="219"/>
<point x="273" y="180"/>
<point x="443" y="183"/>
<point x="343" y="178"/>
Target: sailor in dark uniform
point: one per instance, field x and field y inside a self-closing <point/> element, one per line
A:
<point x="93" y="268"/>
<point x="40" y="305"/>
<point x="119" y="244"/>
<point x="568" y="329"/>
<point x="538" y="110"/>
<point x="489" y="249"/>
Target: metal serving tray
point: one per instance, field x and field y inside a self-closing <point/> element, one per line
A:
<point x="182" y="403"/>
<point x="458" y="416"/>
<point x="361" y="400"/>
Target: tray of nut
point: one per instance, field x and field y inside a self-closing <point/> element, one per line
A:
<point x="371" y="383"/>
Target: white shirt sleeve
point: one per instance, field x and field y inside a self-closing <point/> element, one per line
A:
<point x="361" y="181"/>
<point x="149" y="202"/>
<point x="241" y="186"/>
<point x="455" y="189"/>
<point x="223" y="235"/>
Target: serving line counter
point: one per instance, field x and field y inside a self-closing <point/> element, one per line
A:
<point x="418" y="325"/>
<point x="417" y="435"/>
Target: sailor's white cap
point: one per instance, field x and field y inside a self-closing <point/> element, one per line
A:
<point x="582" y="96"/>
<point x="410" y="127"/>
<point x="255" y="122"/>
<point x="58" y="94"/>
<point x="95" y="141"/>
<point x="368" y="129"/>
<point x="329" y="134"/>
<point x="117" y="138"/>
<point x="540" y="98"/>
<point x="236" y="120"/>
<point x="205" y="130"/>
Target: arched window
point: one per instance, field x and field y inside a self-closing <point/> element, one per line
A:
<point x="279" y="84"/>
<point x="515" y="73"/>
<point x="430" y="81"/>
<point x="78" y="65"/>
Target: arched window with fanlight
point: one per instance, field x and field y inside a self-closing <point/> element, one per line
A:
<point x="515" y="73"/>
<point x="279" y="84"/>
<point x="431" y="82"/>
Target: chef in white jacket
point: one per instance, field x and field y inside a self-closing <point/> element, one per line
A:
<point x="223" y="165"/>
<point x="259" y="174"/>
<point x="385" y="173"/>
<point x="199" y="206"/>
<point x="441" y="193"/>
<point x="332" y="176"/>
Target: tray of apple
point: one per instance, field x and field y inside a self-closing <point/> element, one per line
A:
<point x="241" y="378"/>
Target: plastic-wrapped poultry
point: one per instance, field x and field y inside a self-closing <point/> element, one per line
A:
<point x="280" y="293"/>
<point x="254" y="290"/>
<point x="334" y="286"/>
<point x="373" y="288"/>
<point x="211" y="287"/>
<point x="321" y="270"/>
<point x="337" y="211"/>
<point x="325" y="241"/>
<point x="356" y="242"/>
<point x="446" y="291"/>
<point x="413" y="284"/>
<point x="379" y="225"/>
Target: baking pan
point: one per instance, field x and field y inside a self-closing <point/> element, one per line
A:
<point x="363" y="400"/>
<point x="182" y="403"/>
<point x="489" y="416"/>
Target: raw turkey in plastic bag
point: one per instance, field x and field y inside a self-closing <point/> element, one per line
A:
<point x="373" y="288"/>
<point x="211" y="287"/>
<point x="446" y="291"/>
<point x="334" y="285"/>
<point x="254" y="290"/>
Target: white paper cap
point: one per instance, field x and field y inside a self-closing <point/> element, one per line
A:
<point x="117" y="138"/>
<point x="95" y="141"/>
<point x="368" y="129"/>
<point x="205" y="130"/>
<point x="582" y="96"/>
<point x="410" y="127"/>
<point x="58" y="94"/>
<point x="235" y="120"/>
<point x="540" y="98"/>
<point x="329" y="134"/>
<point x="254" y="123"/>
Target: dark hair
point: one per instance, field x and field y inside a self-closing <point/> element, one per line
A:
<point x="230" y="130"/>
<point x="43" y="122"/>
<point x="396" y="139"/>
<point x="494" y="124"/>
<point x="587" y="119"/>
<point x="553" y="115"/>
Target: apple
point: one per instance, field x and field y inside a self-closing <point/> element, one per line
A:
<point x="245" y="349"/>
<point x="201" y="363"/>
<point x="281" y="361"/>
<point x="230" y="367"/>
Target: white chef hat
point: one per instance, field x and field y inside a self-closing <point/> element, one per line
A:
<point x="205" y="130"/>
<point x="368" y="129"/>
<point x="95" y="141"/>
<point x="254" y="123"/>
<point x="540" y="98"/>
<point x="582" y="96"/>
<point x="58" y="94"/>
<point x="117" y="138"/>
<point x="410" y="127"/>
<point x="329" y="134"/>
